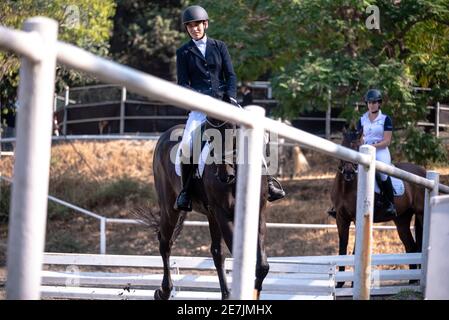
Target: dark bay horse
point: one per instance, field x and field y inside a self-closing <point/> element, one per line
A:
<point x="214" y="196"/>
<point x="344" y="195"/>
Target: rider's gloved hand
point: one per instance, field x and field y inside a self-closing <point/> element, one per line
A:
<point x="226" y="98"/>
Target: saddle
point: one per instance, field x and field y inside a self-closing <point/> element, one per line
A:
<point x="201" y="161"/>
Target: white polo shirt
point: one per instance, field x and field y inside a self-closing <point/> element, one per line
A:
<point x="373" y="131"/>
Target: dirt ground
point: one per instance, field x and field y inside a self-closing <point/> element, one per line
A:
<point x="307" y="200"/>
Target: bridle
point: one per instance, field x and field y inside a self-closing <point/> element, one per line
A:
<point x="235" y="103"/>
<point x="342" y="168"/>
<point x="349" y="169"/>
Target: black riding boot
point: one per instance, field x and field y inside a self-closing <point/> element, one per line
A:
<point x="274" y="193"/>
<point x="184" y="201"/>
<point x="332" y="212"/>
<point x="387" y="187"/>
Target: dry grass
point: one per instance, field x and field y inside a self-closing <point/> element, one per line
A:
<point x="80" y="169"/>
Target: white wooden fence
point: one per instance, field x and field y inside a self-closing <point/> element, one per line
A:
<point x="438" y="264"/>
<point x="304" y="277"/>
<point x="39" y="47"/>
<point x="287" y="280"/>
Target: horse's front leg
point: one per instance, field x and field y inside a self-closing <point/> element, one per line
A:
<point x="217" y="255"/>
<point x="343" y="237"/>
<point x="164" y="235"/>
<point x="402" y="223"/>
<point x="262" y="266"/>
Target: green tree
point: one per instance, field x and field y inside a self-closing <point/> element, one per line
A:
<point x="84" y="23"/>
<point x="307" y="47"/>
<point x="146" y="35"/>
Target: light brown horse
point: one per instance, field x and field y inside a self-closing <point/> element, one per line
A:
<point x="344" y="195"/>
<point x="214" y="196"/>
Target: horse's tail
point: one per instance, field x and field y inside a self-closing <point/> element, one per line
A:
<point x="418" y="232"/>
<point x="148" y="216"/>
<point x="179" y="224"/>
<point x="151" y="217"/>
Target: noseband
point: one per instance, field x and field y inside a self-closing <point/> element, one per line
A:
<point x="354" y="168"/>
<point x="346" y="168"/>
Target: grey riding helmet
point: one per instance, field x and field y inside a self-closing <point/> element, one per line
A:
<point x="373" y="95"/>
<point x="194" y="13"/>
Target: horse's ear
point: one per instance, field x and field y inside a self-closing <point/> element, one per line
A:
<point x="359" y="134"/>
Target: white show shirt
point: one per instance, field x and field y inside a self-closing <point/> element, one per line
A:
<point x="201" y="45"/>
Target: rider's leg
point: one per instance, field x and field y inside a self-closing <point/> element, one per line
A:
<point x="386" y="185"/>
<point x="387" y="188"/>
<point x="274" y="192"/>
<point x="184" y="201"/>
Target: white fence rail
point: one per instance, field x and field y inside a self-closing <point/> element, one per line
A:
<point x="287" y="279"/>
<point x="311" y="277"/>
<point x="437" y="124"/>
<point x="29" y="195"/>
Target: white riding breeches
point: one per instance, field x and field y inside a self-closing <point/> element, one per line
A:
<point x="194" y="122"/>
<point x="384" y="156"/>
<point x="196" y="118"/>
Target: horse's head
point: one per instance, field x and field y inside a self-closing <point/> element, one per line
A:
<point x="351" y="140"/>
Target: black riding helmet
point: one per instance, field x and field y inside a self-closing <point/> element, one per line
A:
<point x="373" y="95"/>
<point x="194" y="13"/>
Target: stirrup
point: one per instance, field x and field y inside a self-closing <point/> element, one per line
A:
<point x="332" y="212"/>
<point x="183" y="206"/>
<point x="390" y="210"/>
<point x="273" y="179"/>
<point x="279" y="193"/>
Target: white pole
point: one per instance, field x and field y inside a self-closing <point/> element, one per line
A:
<point x="435" y="176"/>
<point x="437" y="120"/>
<point x="28" y="210"/>
<point x="66" y="104"/>
<point x="246" y="221"/>
<point x="364" y="224"/>
<point x="103" y="236"/>
<point x="122" y="111"/>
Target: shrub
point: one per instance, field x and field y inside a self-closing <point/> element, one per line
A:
<point x="422" y="148"/>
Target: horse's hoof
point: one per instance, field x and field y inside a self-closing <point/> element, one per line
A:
<point x="225" y="296"/>
<point x="256" y="294"/>
<point x="340" y="285"/>
<point x="160" y="295"/>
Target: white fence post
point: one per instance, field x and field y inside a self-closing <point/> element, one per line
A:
<point x="435" y="176"/>
<point x="437" y="281"/>
<point x="364" y="224"/>
<point x="437" y="120"/>
<point x="66" y="104"/>
<point x="28" y="210"/>
<point x="122" y="110"/>
<point x="103" y="235"/>
<point x="246" y="220"/>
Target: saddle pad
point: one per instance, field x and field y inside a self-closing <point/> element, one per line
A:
<point x="398" y="187"/>
<point x="201" y="161"/>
